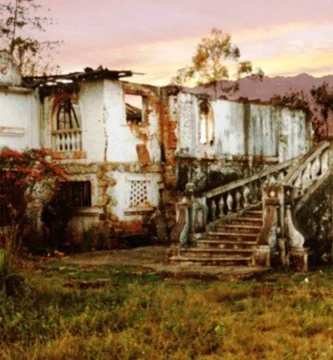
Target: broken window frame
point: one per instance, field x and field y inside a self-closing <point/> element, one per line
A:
<point x="206" y="123"/>
<point x="67" y="132"/>
<point x="67" y="110"/>
<point x="144" y="113"/>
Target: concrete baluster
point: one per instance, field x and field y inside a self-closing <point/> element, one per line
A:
<point x="315" y="168"/>
<point x="246" y="195"/>
<point x="324" y="162"/>
<point x="238" y="200"/>
<point x="306" y="178"/>
<point x="230" y="202"/>
<point x="213" y="208"/>
<point x="221" y="206"/>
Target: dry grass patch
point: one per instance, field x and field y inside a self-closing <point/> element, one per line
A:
<point x="138" y="315"/>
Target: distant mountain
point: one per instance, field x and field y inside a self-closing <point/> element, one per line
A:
<point x="270" y="86"/>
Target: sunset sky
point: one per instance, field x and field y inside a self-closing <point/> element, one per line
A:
<point x="284" y="37"/>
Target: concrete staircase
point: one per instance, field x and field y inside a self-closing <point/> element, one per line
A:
<point x="230" y="243"/>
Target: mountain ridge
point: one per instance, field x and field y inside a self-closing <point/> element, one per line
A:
<point x="269" y="87"/>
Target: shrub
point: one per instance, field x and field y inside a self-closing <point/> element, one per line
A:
<point x="56" y="215"/>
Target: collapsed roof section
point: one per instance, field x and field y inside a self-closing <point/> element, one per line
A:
<point x="133" y="113"/>
<point x="87" y="74"/>
<point x="69" y="82"/>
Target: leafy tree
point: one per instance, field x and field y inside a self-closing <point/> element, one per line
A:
<point x="27" y="181"/>
<point x="212" y="63"/>
<point x="20" y="20"/>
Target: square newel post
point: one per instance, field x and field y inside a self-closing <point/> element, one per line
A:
<point x="180" y="233"/>
<point x="197" y="213"/>
<point x="266" y="252"/>
<point x="262" y="256"/>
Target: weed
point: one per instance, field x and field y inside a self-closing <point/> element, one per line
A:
<point x="139" y="315"/>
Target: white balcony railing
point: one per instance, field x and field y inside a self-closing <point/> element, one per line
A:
<point x="67" y="140"/>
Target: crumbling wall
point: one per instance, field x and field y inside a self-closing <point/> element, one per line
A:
<point x="91" y="103"/>
<point x="295" y="133"/>
<point x="180" y="138"/>
<point x="122" y="158"/>
<point x="111" y="212"/>
<point x="245" y="137"/>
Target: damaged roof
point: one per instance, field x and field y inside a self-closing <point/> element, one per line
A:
<point x="132" y="112"/>
<point x="87" y="74"/>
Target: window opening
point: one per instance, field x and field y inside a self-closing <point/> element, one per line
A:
<point x="206" y="123"/>
<point x="136" y="106"/>
<point x="138" y="193"/>
<point x="67" y="134"/>
<point x="67" y="117"/>
<point x="76" y="193"/>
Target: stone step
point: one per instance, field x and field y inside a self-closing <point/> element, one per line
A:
<point x="218" y="261"/>
<point x="239" y="228"/>
<point x="246" y="220"/>
<point x="215" y="253"/>
<point x="226" y="235"/>
<point x="225" y="244"/>
<point x="256" y="214"/>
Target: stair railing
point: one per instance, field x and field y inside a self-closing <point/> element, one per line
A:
<point x="280" y="201"/>
<point x="195" y="214"/>
<point x="313" y="166"/>
<point x="241" y="194"/>
<point x="299" y="180"/>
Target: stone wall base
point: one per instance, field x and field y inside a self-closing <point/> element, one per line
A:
<point x="262" y="255"/>
<point x="299" y="259"/>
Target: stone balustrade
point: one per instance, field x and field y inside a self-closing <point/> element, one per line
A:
<point x="290" y="193"/>
<point x="241" y="194"/>
<point x="280" y="189"/>
<point x="312" y="167"/>
<point x="67" y="140"/>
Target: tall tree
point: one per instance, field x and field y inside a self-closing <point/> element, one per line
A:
<point x="20" y="22"/>
<point x="215" y="59"/>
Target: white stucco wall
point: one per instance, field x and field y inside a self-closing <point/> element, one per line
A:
<point x="294" y="135"/>
<point x="188" y="120"/>
<point x="121" y="140"/>
<point x="19" y="119"/>
<point x="106" y="135"/>
<point x="263" y="130"/>
<point x="91" y="104"/>
<point x="241" y="129"/>
<point x="229" y="128"/>
<point x="121" y="192"/>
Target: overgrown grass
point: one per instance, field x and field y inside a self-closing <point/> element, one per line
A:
<point x="137" y="315"/>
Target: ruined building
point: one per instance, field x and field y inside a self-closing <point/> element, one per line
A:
<point x="132" y="151"/>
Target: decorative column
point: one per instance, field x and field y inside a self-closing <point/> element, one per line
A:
<point x="298" y="255"/>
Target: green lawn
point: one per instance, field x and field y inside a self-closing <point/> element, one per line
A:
<point x="137" y="315"/>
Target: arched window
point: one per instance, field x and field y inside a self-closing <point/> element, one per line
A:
<point x="206" y="129"/>
<point x="67" y="116"/>
<point x="67" y="135"/>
